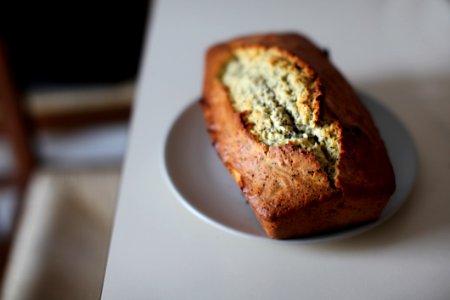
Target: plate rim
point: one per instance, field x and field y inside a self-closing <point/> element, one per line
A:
<point x="313" y="239"/>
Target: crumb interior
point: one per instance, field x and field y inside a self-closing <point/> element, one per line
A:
<point x="274" y="96"/>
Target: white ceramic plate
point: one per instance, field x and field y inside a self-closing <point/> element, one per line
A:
<point x="204" y="186"/>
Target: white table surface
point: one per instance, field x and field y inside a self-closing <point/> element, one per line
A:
<point x="397" y="51"/>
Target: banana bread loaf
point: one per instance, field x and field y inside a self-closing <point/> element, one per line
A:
<point x="294" y="135"/>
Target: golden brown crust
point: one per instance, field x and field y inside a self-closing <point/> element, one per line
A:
<point x="285" y="186"/>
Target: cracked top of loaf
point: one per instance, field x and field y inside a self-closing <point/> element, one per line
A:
<point x="276" y="99"/>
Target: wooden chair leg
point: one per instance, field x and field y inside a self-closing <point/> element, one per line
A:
<point x="17" y="134"/>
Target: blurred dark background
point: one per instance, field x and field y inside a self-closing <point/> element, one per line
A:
<point x="72" y="42"/>
<point x="67" y="78"/>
